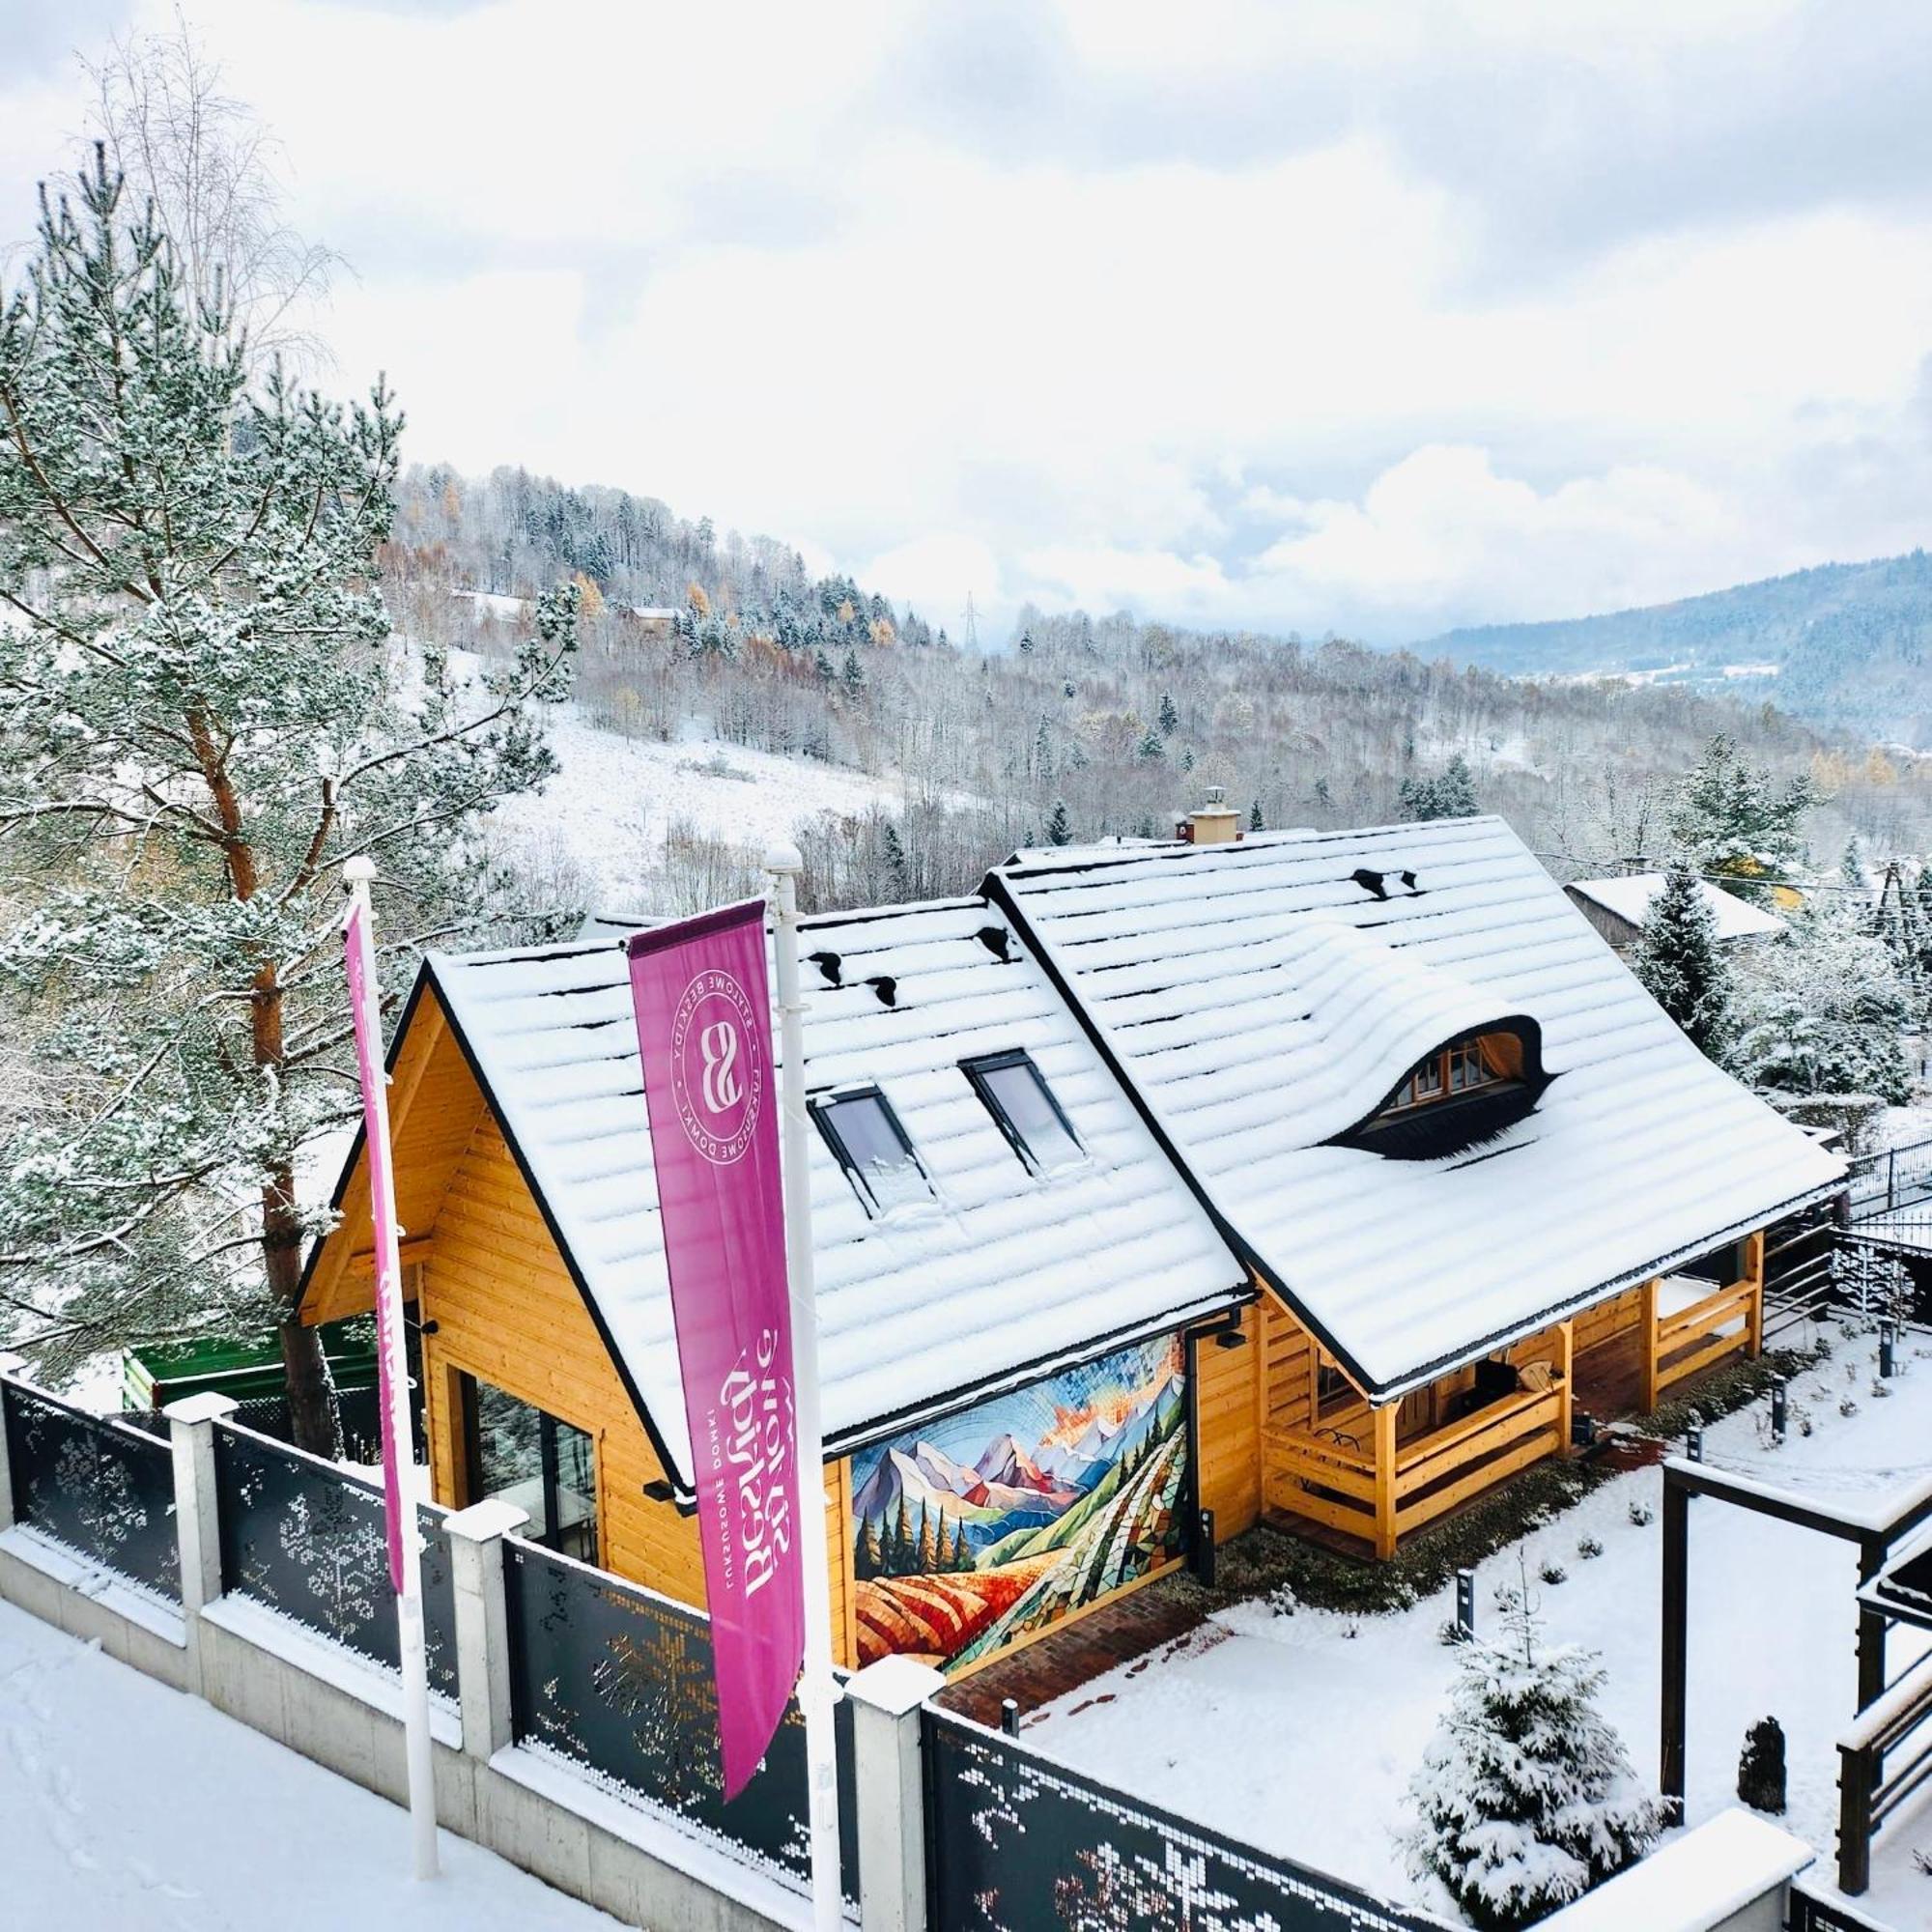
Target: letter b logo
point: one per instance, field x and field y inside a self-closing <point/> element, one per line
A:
<point x="718" y="1044"/>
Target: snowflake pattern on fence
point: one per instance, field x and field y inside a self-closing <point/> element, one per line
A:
<point x="105" y="1491"/>
<point x="1019" y="1846"/>
<point x="619" y="1685"/>
<point x="309" y="1541"/>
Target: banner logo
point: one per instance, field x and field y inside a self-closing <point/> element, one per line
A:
<point x="717" y="1068"/>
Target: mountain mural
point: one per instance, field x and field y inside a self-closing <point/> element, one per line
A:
<point x="1019" y="1511"/>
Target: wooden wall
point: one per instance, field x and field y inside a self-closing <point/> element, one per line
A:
<point x="1228" y="1428"/>
<point x="505" y="1310"/>
<point x="1610" y="1318"/>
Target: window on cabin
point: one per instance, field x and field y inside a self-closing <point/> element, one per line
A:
<point x="865" y="1134"/>
<point x="515" y="1453"/>
<point x="1456" y="1069"/>
<point x="1019" y="1099"/>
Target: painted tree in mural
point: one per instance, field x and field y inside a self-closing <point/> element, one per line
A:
<point x="204" y="714"/>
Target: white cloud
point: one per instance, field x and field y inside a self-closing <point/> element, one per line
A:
<point x="1202" y="329"/>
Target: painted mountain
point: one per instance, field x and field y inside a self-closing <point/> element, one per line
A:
<point x="999" y="1521"/>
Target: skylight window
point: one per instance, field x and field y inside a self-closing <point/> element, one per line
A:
<point x="1021" y="1101"/>
<point x="865" y="1134"/>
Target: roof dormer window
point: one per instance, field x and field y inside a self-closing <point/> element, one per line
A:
<point x="865" y="1134"/>
<point x="1019" y="1099"/>
<point x="1461" y="1092"/>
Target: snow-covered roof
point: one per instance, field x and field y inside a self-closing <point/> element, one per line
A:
<point x="1630" y="898"/>
<point x="1263" y="996"/>
<point x="1001" y="1271"/>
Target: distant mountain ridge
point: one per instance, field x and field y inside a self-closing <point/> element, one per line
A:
<point x="1843" y="644"/>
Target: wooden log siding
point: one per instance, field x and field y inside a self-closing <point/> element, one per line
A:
<point x="505" y="1310"/>
<point x="1228" y="1425"/>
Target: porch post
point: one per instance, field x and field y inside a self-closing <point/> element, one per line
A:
<point x="1567" y="1404"/>
<point x="1754" y="1274"/>
<point x="1647" y="1330"/>
<point x="1384" y="1427"/>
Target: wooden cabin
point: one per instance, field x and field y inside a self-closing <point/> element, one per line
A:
<point x="1619" y="907"/>
<point x="1010" y="1276"/>
<point x="1479" y="1178"/>
<point x="1327" y="1177"/>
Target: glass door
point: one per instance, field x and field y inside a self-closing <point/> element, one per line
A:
<point x="516" y="1453"/>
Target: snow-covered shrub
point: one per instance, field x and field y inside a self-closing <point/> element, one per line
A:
<point x="1641" y="1512"/>
<point x="1588" y="1547"/>
<point x="1552" y="1572"/>
<point x="1526" y="1797"/>
<point x="1761" y="1766"/>
<point x="1879" y="1388"/>
<point x="1449" y="1633"/>
<point x="1848" y="1407"/>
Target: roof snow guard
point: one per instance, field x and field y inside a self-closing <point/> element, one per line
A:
<point x="928" y="1303"/>
<point x="1260" y="1002"/>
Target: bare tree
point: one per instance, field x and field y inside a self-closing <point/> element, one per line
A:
<point x="214" y="179"/>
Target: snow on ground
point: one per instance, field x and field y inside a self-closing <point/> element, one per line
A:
<point x="617" y="797"/>
<point x="129" y="1805"/>
<point x="1301" y="1732"/>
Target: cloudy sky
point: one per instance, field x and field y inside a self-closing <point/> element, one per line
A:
<point x="1377" y="317"/>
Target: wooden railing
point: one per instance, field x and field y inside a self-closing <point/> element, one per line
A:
<point x="1338" y="1481"/>
<point x="1689" y="1342"/>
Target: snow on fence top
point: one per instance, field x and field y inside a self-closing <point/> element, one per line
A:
<point x="940" y="1289"/>
<point x="1698" y="1883"/>
<point x="1630" y="898"/>
<point x="1263" y="996"/>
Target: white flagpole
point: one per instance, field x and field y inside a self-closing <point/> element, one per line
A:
<point x="817" y="1690"/>
<point x="392" y="1366"/>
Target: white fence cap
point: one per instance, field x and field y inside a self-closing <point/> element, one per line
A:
<point x="1694" y="1882"/>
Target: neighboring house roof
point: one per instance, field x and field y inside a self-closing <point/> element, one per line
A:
<point x="1260" y="996"/>
<point x="1630" y="898"/>
<point x="1003" y="1272"/>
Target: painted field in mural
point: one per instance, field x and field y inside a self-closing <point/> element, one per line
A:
<point x="999" y="1521"/>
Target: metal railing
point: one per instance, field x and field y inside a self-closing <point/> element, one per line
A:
<point x="618" y="1681"/>
<point x="308" y="1538"/>
<point x="1015" y="1842"/>
<point x="94" y="1484"/>
<point x="1882" y="1760"/>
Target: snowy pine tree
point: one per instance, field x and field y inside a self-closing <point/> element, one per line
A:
<point x="1452" y="794"/>
<point x="205" y="714"/>
<point x="1058" y="827"/>
<point x="1681" y="964"/>
<point x="1526" y="1797"/>
<point x="1822" y="1008"/>
<point x="1730" y="819"/>
<point x="1167" y="717"/>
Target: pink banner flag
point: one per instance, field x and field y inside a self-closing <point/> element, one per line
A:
<point x="360" y="948"/>
<point x="705" y="1036"/>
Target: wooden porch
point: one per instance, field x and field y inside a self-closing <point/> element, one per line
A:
<point x="1374" y="1475"/>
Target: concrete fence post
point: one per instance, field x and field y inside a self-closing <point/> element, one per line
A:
<point x="197" y="1513"/>
<point x="482" y="1623"/>
<point x="890" y="1799"/>
<point x="9" y="1365"/>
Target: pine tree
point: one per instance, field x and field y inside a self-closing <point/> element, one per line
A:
<point x="1851" y="867"/>
<point x="1823" y="1010"/>
<point x="1026" y="644"/>
<point x="1451" y="794"/>
<point x="1730" y="819"/>
<point x="822" y="666"/>
<point x="1681" y="963"/>
<point x="1255" y="817"/>
<point x="205" y="715"/>
<point x="1526" y="1797"/>
<point x="928" y="1548"/>
<point x="942" y="1547"/>
<point x="1058" y="827"/>
<point x="892" y="848"/>
<point x="1169" y="717"/>
<point x="853" y="674"/>
<point x="904" y="1549"/>
<point x="1150" y="747"/>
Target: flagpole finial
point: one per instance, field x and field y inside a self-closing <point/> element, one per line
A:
<point x="361" y="870"/>
<point x="784" y="857"/>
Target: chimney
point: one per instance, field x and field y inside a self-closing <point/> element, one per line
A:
<point x="1215" y="823"/>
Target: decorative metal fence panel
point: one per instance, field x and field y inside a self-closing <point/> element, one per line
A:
<point x="1018" y="1845"/>
<point x="1814" y="1915"/>
<point x="618" y="1682"/>
<point x="95" y="1485"/>
<point x="308" y="1540"/>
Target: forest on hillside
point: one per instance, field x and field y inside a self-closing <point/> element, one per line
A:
<point x="1079" y="727"/>
<point x="1846" y="645"/>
